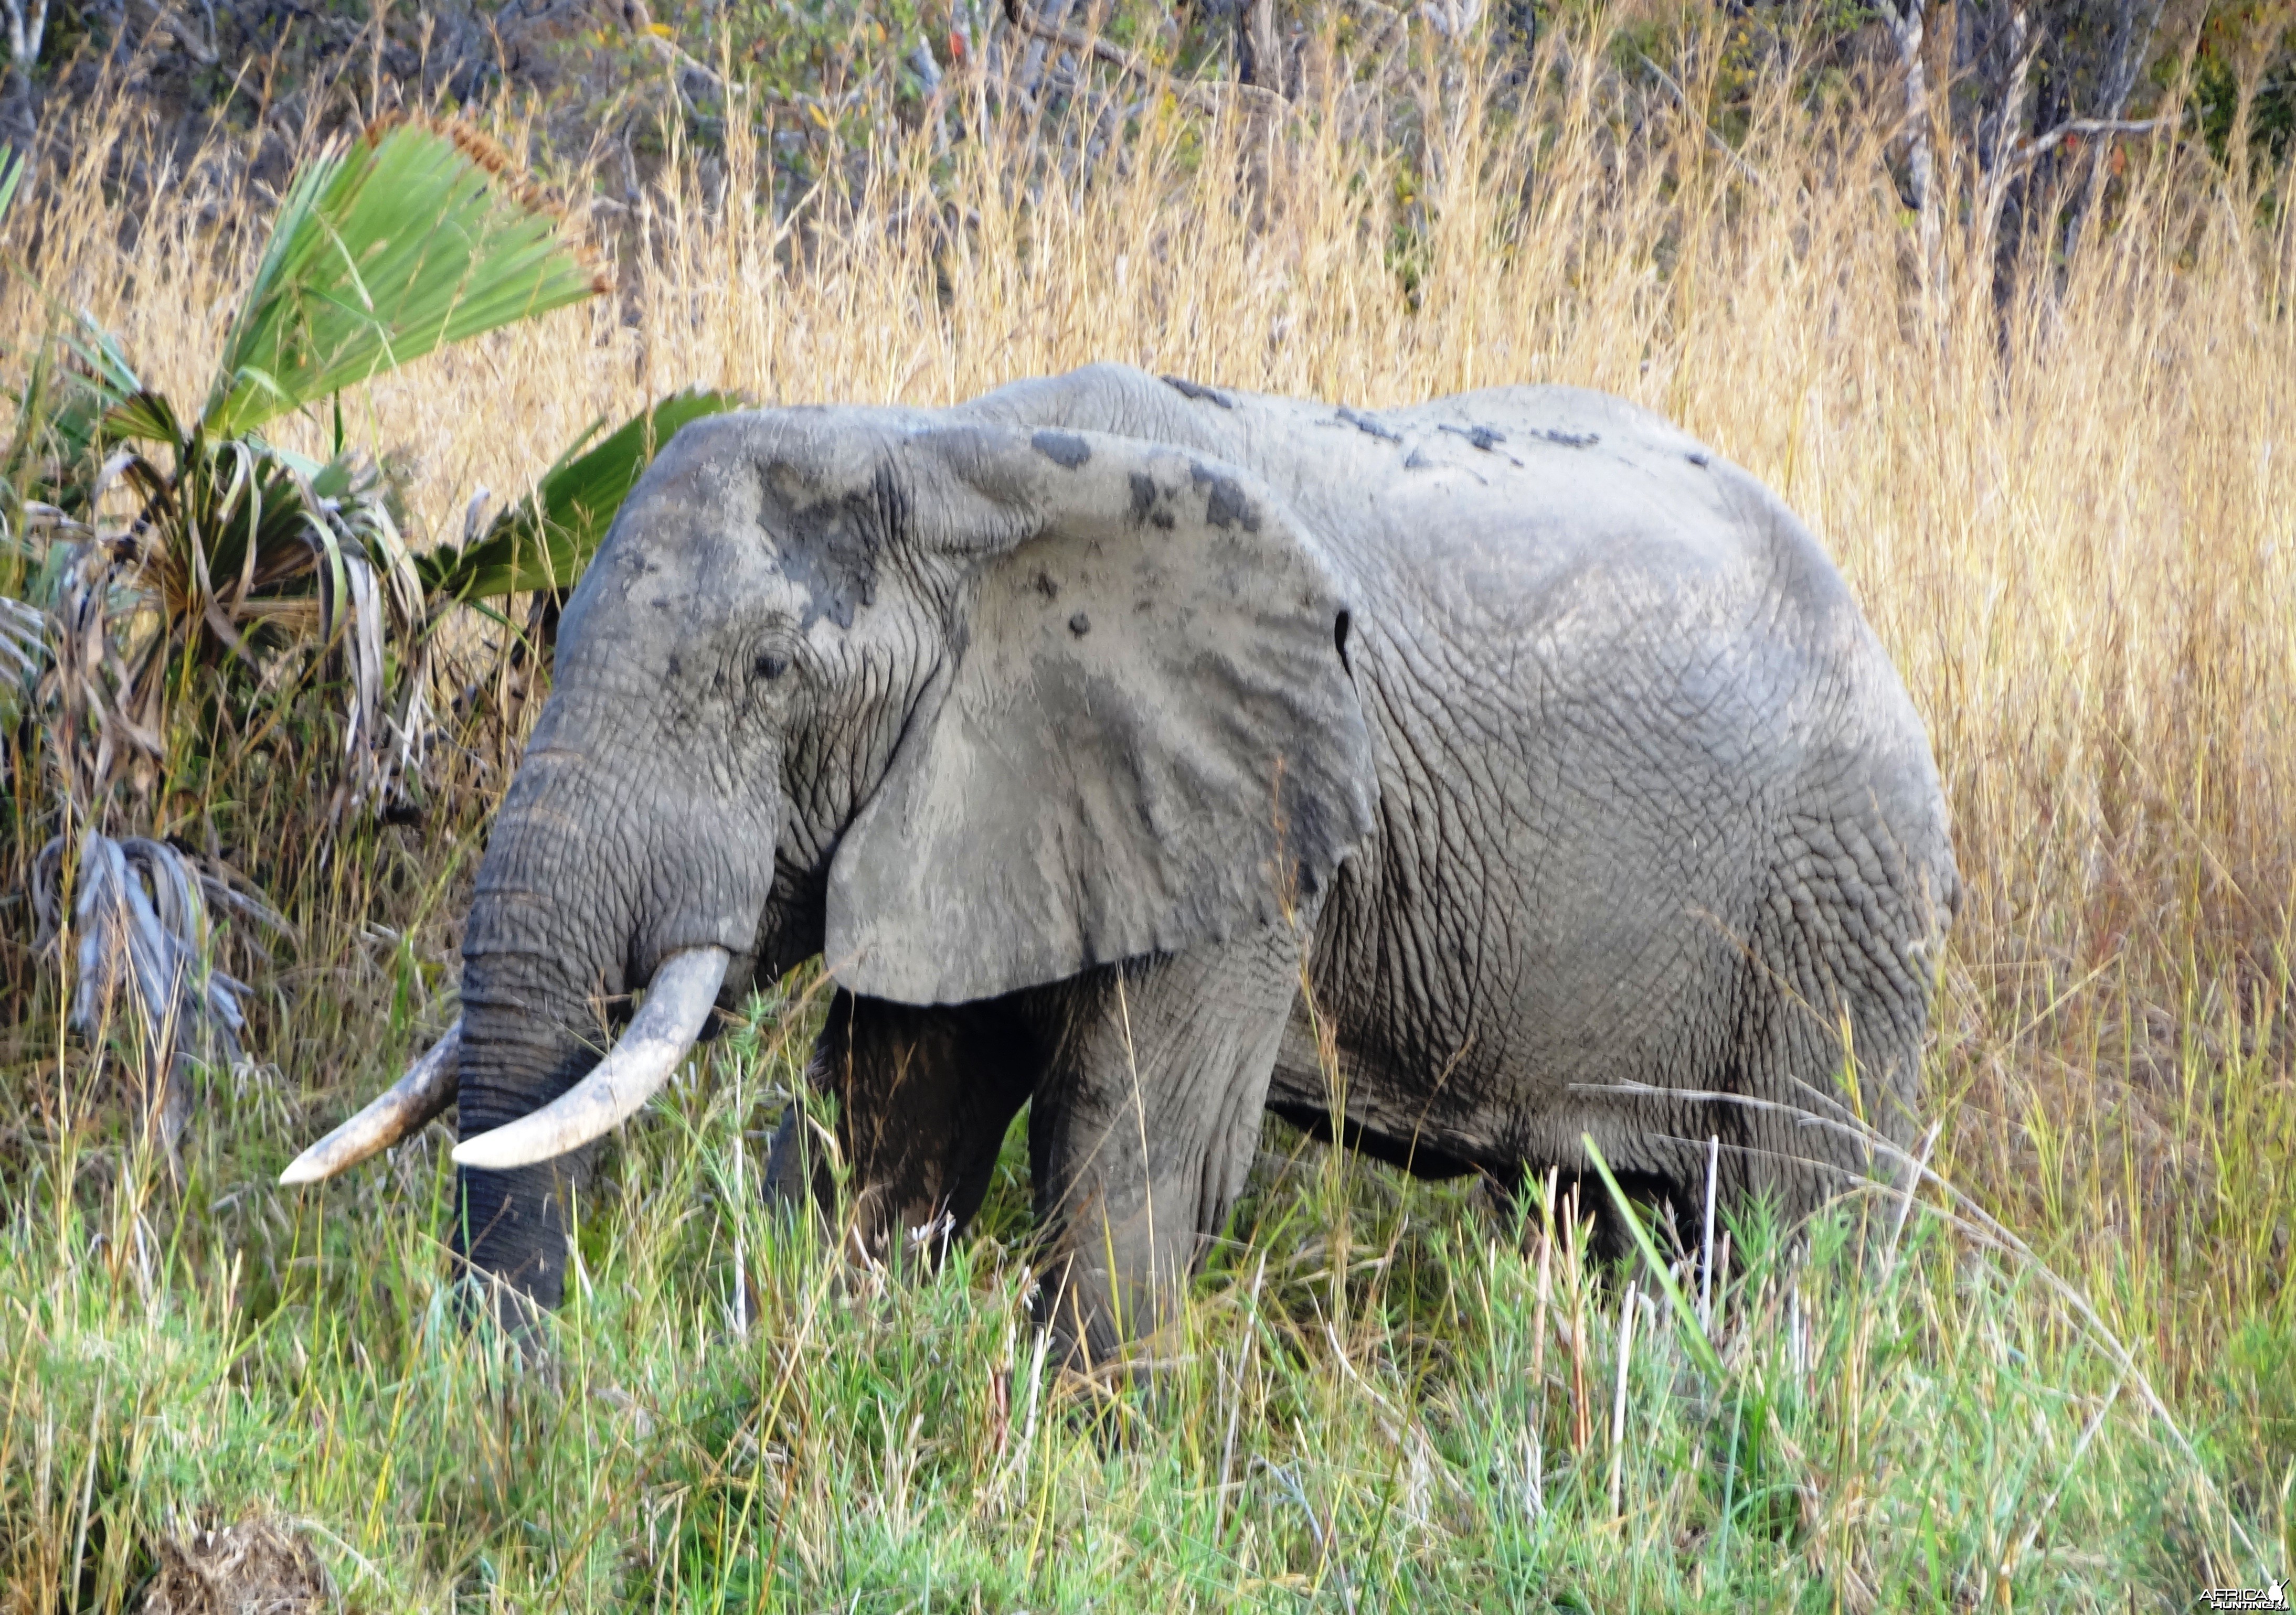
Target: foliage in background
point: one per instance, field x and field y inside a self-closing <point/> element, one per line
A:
<point x="816" y="80"/>
<point x="2062" y="507"/>
<point x="2244" y="81"/>
<point x="188" y="573"/>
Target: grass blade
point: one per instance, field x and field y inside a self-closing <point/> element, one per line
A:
<point x="1693" y="1334"/>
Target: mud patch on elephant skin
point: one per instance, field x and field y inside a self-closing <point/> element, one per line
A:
<point x="1567" y="440"/>
<point x="260" y="1564"/>
<point x="1197" y="392"/>
<point x="1065" y="450"/>
<point x="1225" y="503"/>
<point x="831" y="557"/>
<point x="1310" y="838"/>
<point x="1148" y="505"/>
<point x="1369" y="427"/>
<point x="1486" y="438"/>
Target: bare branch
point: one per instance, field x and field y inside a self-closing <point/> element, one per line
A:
<point x="683" y="62"/>
<point x="2131" y="45"/>
<point x="1713" y="135"/>
<point x="1205" y="97"/>
<point x="26" y="31"/>
<point x="1906" y="27"/>
<point x="1386" y="16"/>
<point x="2041" y="144"/>
<point x="166" y="15"/>
<point x="1998" y="159"/>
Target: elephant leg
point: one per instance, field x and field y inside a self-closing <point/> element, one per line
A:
<point x="1835" y="1038"/>
<point x="923" y="1097"/>
<point x="1145" y="1126"/>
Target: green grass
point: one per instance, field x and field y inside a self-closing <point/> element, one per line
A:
<point x="1373" y="1401"/>
<point x="2068" y="522"/>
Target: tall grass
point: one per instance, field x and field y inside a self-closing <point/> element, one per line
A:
<point x="2070" y="513"/>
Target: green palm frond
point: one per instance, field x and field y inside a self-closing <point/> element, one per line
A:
<point x="168" y="576"/>
<point x="12" y="174"/>
<point x="417" y="235"/>
<point x="66" y="413"/>
<point x="546" y="540"/>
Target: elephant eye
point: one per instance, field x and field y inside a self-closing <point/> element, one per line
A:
<point x="770" y="666"/>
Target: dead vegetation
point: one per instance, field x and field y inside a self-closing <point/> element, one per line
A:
<point x="2069" y="509"/>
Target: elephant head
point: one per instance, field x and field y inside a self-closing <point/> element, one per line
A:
<point x="964" y="707"/>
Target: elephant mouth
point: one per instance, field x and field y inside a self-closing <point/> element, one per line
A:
<point x="677" y="1006"/>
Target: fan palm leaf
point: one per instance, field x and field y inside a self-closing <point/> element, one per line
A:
<point x="416" y="235"/>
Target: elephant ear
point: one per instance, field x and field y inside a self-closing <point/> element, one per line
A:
<point x="1144" y="736"/>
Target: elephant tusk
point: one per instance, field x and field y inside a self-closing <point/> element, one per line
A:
<point x="677" y="1006"/>
<point x="427" y="1088"/>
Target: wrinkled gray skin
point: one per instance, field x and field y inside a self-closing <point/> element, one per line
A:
<point x="1065" y="723"/>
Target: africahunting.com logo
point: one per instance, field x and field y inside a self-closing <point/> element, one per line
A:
<point x="2273" y="1596"/>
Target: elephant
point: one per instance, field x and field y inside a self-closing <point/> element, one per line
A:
<point x="1463" y="782"/>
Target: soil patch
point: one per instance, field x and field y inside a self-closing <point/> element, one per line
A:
<point x="260" y="1567"/>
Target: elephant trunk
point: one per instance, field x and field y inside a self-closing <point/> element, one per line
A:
<point x="591" y="887"/>
<point x="517" y="1050"/>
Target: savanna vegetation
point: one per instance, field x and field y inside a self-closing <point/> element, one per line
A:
<point x="2043" y="415"/>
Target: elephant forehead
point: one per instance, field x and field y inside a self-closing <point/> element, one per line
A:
<point x="700" y="476"/>
<point x="691" y="568"/>
<point x="654" y="592"/>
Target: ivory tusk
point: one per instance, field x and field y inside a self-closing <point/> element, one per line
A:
<point x="427" y="1088"/>
<point x="678" y="1004"/>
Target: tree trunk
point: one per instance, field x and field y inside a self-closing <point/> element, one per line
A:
<point x="1907" y="27"/>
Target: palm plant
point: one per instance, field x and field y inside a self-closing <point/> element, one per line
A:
<point x="181" y="560"/>
<point x="412" y="236"/>
<point x="543" y="543"/>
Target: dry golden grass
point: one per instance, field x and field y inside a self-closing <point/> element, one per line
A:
<point x="2073" y="523"/>
<point x="2071" y="515"/>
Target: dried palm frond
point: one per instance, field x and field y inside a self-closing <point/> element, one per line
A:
<point x="141" y="948"/>
<point x="23" y="641"/>
<point x="97" y="720"/>
<point x="23" y="652"/>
